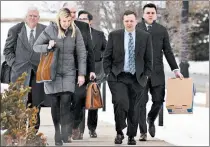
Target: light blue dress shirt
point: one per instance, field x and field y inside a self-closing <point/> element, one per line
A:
<point x="126" y="40"/>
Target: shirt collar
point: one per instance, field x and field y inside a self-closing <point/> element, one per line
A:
<point x="133" y="33"/>
<point x="148" y="24"/>
<point x="29" y="29"/>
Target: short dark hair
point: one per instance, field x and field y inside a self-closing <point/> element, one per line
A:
<point x="90" y="16"/>
<point x="129" y="12"/>
<point x="150" y="5"/>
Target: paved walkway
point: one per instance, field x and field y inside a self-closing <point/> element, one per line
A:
<point x="106" y="134"/>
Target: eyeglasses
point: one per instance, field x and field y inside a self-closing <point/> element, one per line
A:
<point x="83" y="19"/>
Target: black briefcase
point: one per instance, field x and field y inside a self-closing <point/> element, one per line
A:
<point x="5" y="73"/>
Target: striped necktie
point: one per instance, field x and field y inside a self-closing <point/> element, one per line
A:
<point x="31" y="39"/>
<point x="131" y="57"/>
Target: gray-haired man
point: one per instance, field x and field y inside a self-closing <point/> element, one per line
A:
<point x="20" y="56"/>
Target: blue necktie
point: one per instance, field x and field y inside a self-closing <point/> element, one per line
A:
<point x="131" y="57"/>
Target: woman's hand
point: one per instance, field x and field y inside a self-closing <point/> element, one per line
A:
<point x="51" y="44"/>
<point x="81" y="80"/>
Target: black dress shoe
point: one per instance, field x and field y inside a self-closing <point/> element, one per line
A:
<point x="143" y="137"/>
<point x="67" y="140"/>
<point x="131" y="141"/>
<point x="151" y="127"/>
<point x="118" y="139"/>
<point x="58" y="140"/>
<point x="75" y="134"/>
<point x="59" y="143"/>
<point x="93" y="134"/>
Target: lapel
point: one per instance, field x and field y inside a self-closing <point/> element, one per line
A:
<point x="137" y="43"/>
<point x="38" y="31"/>
<point x="121" y="45"/>
<point x="94" y="37"/>
<point x="142" y="25"/>
<point x="23" y="37"/>
<point x="153" y="28"/>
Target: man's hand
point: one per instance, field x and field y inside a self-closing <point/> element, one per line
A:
<point x="178" y="74"/>
<point x="92" y="75"/>
<point x="81" y="80"/>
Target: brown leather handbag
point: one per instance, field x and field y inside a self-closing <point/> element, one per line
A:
<point x="47" y="66"/>
<point x="93" y="96"/>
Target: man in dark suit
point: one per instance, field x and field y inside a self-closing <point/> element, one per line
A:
<point x="80" y="92"/>
<point x="20" y="56"/>
<point x="156" y="83"/>
<point x="128" y="64"/>
<point x="99" y="45"/>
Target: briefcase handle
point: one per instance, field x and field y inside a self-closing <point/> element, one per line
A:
<point x="92" y="79"/>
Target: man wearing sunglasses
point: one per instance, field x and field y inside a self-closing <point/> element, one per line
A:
<point x="156" y="83"/>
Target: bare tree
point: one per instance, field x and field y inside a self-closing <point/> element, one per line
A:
<point x="171" y="19"/>
<point x="94" y="8"/>
<point x="107" y="16"/>
<point x="135" y="6"/>
<point x="49" y="6"/>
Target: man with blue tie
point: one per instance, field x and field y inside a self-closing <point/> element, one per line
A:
<point x="128" y="65"/>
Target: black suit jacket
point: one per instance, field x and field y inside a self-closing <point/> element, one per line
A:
<point x="99" y="43"/>
<point x="114" y="55"/>
<point x="161" y="44"/>
<point x="85" y="30"/>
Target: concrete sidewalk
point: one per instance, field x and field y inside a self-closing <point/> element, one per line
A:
<point x="106" y="134"/>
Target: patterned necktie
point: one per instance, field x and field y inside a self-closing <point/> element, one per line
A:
<point x="149" y="28"/>
<point x="131" y="57"/>
<point x="31" y="39"/>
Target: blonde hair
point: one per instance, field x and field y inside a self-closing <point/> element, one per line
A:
<point x="64" y="12"/>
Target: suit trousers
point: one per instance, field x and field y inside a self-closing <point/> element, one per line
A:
<point x="60" y="106"/>
<point x="32" y="95"/>
<point x="126" y="93"/>
<point x="158" y="94"/>
<point x="92" y="120"/>
<point x="78" y="105"/>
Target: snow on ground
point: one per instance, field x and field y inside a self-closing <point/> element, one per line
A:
<point x="198" y="67"/>
<point x="178" y="129"/>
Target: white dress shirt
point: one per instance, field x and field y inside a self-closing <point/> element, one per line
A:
<point x="28" y="31"/>
<point x="126" y="40"/>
